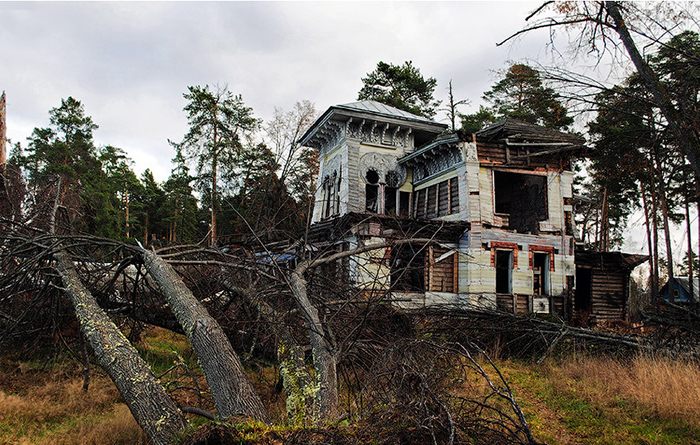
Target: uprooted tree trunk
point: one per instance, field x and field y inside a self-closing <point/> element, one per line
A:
<point x="325" y="353"/>
<point x="230" y="387"/>
<point x="150" y="405"/>
<point x="297" y="381"/>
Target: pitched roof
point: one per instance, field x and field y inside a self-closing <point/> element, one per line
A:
<point x="371" y="110"/>
<point x="685" y="283"/>
<point x="375" y="107"/>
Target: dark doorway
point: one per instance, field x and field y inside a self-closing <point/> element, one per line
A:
<point x="540" y="273"/>
<point x="584" y="289"/>
<point x="504" y="265"/>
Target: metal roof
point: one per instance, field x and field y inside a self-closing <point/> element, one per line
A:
<point x="369" y="109"/>
<point x="387" y="110"/>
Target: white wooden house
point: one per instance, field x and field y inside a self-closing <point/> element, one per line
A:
<point x="498" y="202"/>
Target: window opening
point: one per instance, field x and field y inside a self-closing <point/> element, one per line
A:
<point x="504" y="266"/>
<point x="404" y="203"/>
<point x="372" y="191"/>
<point x="540" y="272"/>
<point x="523" y="198"/>
<point x="390" y="200"/>
<point x="408" y="268"/>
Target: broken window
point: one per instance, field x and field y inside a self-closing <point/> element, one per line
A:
<point x="504" y="266"/>
<point x="523" y="198"/>
<point x="404" y="203"/>
<point x="372" y="191"/>
<point x="540" y="273"/>
<point x="330" y="197"/>
<point x="408" y="268"/>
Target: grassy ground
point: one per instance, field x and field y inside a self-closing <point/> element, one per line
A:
<point x="604" y="401"/>
<point x="577" y="400"/>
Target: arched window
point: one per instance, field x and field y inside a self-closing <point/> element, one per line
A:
<point x="372" y="191"/>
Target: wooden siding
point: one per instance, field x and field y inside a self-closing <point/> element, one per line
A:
<point x="517" y="156"/>
<point x="609" y="295"/>
<point x="522" y="303"/>
<point x="440" y="276"/>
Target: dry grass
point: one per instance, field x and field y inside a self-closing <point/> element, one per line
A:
<point x="57" y="411"/>
<point x="670" y="389"/>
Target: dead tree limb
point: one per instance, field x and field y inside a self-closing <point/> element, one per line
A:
<point x="230" y="387"/>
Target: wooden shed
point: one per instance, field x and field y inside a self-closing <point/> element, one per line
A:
<point x="602" y="285"/>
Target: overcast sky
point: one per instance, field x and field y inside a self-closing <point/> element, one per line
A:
<point x="130" y="63"/>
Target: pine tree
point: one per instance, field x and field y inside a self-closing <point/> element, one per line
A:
<point x="401" y="86"/>
<point x="218" y="121"/>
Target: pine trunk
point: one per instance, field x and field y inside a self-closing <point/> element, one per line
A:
<point x="150" y="405"/>
<point x="230" y="387"/>
<point x="690" y="250"/>
<point x="326" y="397"/>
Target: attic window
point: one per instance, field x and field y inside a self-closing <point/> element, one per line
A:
<point x="523" y="198"/>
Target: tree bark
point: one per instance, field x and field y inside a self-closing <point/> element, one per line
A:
<point x="690" y="249"/>
<point x="325" y="362"/>
<point x="296" y="379"/>
<point x="667" y="236"/>
<point x="230" y="387"/>
<point x="647" y="221"/>
<point x="150" y="405"/>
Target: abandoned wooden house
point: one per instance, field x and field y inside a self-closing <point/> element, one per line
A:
<point x="497" y="205"/>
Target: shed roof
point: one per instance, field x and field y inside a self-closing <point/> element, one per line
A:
<point x="515" y="128"/>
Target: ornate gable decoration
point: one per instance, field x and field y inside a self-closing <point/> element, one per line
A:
<point x="437" y="157"/>
<point x="386" y="166"/>
<point x="372" y="123"/>
<point x="378" y="133"/>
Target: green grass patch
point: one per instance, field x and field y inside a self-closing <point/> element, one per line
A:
<point x="563" y="408"/>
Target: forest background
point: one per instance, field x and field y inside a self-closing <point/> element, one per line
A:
<point x="67" y="196"/>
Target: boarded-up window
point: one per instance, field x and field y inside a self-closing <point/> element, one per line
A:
<point x="432" y="202"/>
<point x="443" y="199"/>
<point x="419" y="205"/>
<point x="439" y="200"/>
<point x="454" y="196"/>
<point x="441" y="273"/>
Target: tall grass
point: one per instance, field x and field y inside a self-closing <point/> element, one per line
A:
<point x="58" y="412"/>
<point x="668" y="388"/>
